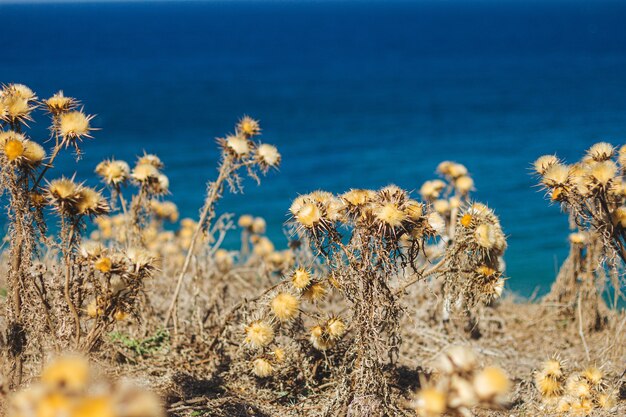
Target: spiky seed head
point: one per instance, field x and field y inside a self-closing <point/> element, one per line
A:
<point x="309" y="215"/>
<point x="59" y="103"/>
<point x="15" y="101"/>
<point x="580" y="238"/>
<point x="34" y="153"/>
<point x="315" y="291"/>
<point x="431" y="190"/>
<point x="63" y="192"/>
<point x="431" y="402"/>
<point x="556" y="175"/>
<point x="259" y="334"/>
<point x="604" y="172"/>
<point x="464" y="184"/>
<point x="592" y="375"/>
<point x="68" y="374"/>
<point x="301" y="278"/>
<point x="455" y="359"/>
<point x="319" y="339"/>
<point x="389" y="214"/>
<point x="358" y="197"/>
<point x="262" y="368"/>
<point x="150" y="159"/>
<point x="441" y="206"/>
<point x="285" y="306"/>
<point x="279" y="355"/>
<point x="268" y="156"/>
<point x="162" y="184"/>
<point x="90" y="202"/>
<point x="103" y="264"/>
<point x="606" y="401"/>
<point x="259" y="225"/>
<point x="413" y="210"/>
<point x="578" y="387"/>
<point x="143" y="173"/>
<point x="489" y="237"/>
<point x="237" y="145"/>
<point x="248" y="127"/>
<point x="466" y="220"/>
<point x="13" y="149"/>
<point x="544" y="162"/>
<point x="113" y="172"/>
<point x="548" y="386"/>
<point x="74" y="125"/>
<point x="491" y="382"/>
<point x="335" y="327"/>
<point x="601" y="151"/>
<point x="457" y="170"/>
<point x="436" y="222"/>
<point x="245" y="221"/>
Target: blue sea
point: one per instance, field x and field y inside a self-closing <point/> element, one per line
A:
<point x="354" y="94"/>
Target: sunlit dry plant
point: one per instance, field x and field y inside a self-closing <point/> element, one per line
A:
<point x="239" y="151"/>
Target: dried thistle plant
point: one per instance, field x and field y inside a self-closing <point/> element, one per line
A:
<point x="593" y="193"/>
<point x="238" y="152"/>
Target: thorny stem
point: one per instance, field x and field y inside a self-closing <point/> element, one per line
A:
<point x="208" y="213"/>
<point x="69" y="235"/>
<point x="48" y="165"/>
<point x="422" y="274"/>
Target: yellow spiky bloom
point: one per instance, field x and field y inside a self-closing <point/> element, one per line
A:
<point x="13" y="149"/>
<point x="245" y="221"/>
<point x="436" y="222"/>
<point x="319" y="339"/>
<point x="553" y="368"/>
<point x="577" y="387"/>
<point x="457" y="170"/>
<point x="606" y="401"/>
<point x="556" y="175"/>
<point x="285" y="306"/>
<point x="603" y="172"/>
<point x="248" y="126"/>
<point x="15" y="100"/>
<point x="103" y="264"/>
<point x="544" y="162"/>
<point x="389" y="214"/>
<point x="582" y="407"/>
<point x="602" y="151"/>
<point x="144" y="172"/>
<point x="592" y="375"/>
<point x="59" y="103"/>
<point x="259" y="225"/>
<point x="33" y="153"/>
<point x="301" y="278"/>
<point x="262" y="368"/>
<point x="335" y="327"/>
<point x="358" y="197"/>
<point x="97" y="406"/>
<point x="464" y="184"/>
<point x="490" y="383"/>
<point x="309" y="215"/>
<point x="484" y="235"/>
<point x="431" y="190"/>
<point x="466" y="220"/>
<point x="279" y="355"/>
<point x="314" y="292"/>
<point x="413" y="210"/>
<point x="441" y="206"/>
<point x="581" y="238"/>
<point x="113" y="172"/>
<point x="74" y="125"/>
<point x="69" y="374"/>
<point x="485" y="271"/>
<point x="90" y="202"/>
<point x="268" y="155"/>
<point x="430" y="402"/>
<point x="259" y="334"/>
<point x="150" y="159"/>
<point x="63" y="192"/>
<point x="237" y="145"/>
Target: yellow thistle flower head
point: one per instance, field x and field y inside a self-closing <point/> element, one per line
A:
<point x="431" y="402"/>
<point x="285" y="306"/>
<point x="491" y="382"/>
<point x="13" y="148"/>
<point x="309" y="215"/>
<point x="90" y="202"/>
<point x="556" y="175"/>
<point x="59" y="103"/>
<point x="150" y="159"/>
<point x="245" y="221"/>
<point x="604" y="172"/>
<point x="414" y="210"/>
<point x="335" y="328"/>
<point x="601" y="151"/>
<point x="262" y="368"/>
<point x="592" y="375"/>
<point x="259" y="334"/>
<point x="441" y="206"/>
<point x="103" y="264"/>
<point x="63" y="193"/>
<point x="267" y="156"/>
<point x="248" y="127"/>
<point x="464" y="184"/>
<point x="259" y="225"/>
<point x="34" y="153"/>
<point x="301" y="278"/>
<point x="144" y="173"/>
<point x="544" y="162"/>
<point x="237" y="145"/>
<point x="319" y="339"/>
<point x="70" y="374"/>
<point x="389" y="214"/>
<point x="431" y="190"/>
<point x="315" y="291"/>
<point x="466" y="220"/>
<point x="95" y="406"/>
<point x="113" y="172"/>
<point x="74" y="125"/>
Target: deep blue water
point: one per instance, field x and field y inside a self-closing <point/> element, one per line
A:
<point x="355" y="94"/>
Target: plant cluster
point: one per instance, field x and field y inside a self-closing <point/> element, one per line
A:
<point x="459" y="385"/>
<point x="68" y="387"/>
<point x="577" y="392"/>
